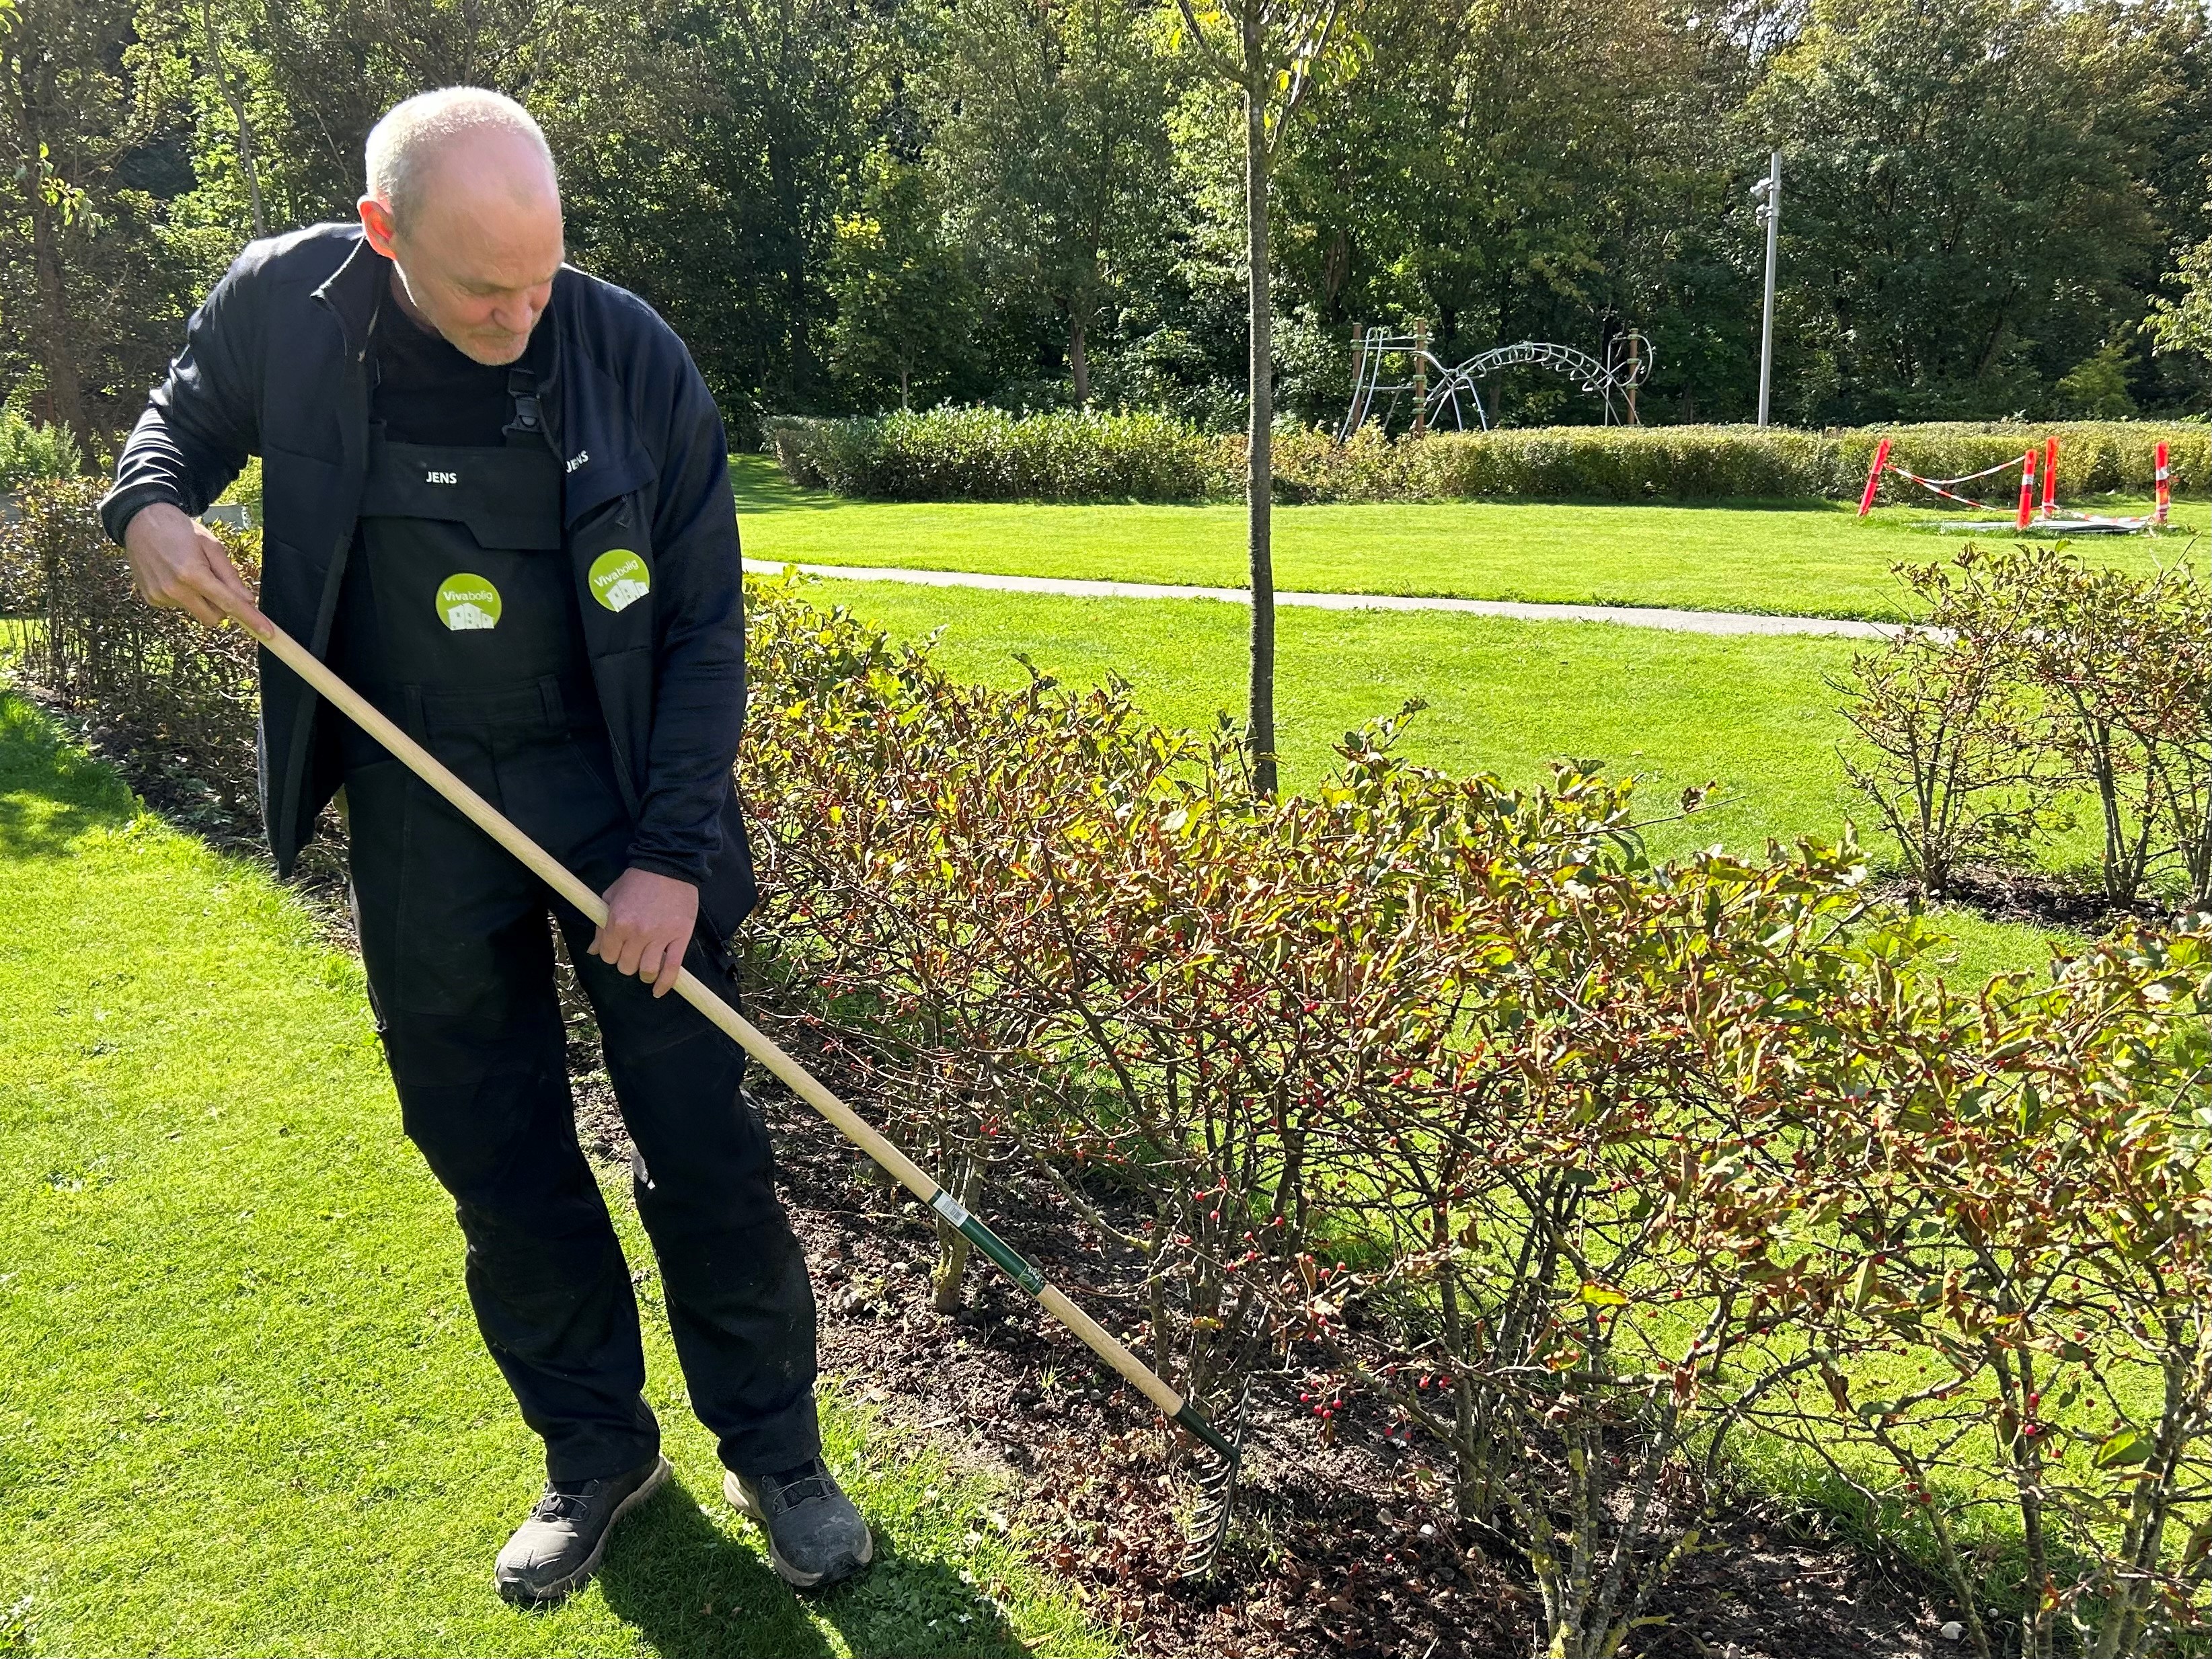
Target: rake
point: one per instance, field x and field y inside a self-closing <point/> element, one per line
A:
<point x="1215" y="1479"/>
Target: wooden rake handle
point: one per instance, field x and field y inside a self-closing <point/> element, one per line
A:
<point x="795" y="1077"/>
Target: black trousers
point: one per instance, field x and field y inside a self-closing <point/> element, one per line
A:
<point x="453" y="931"/>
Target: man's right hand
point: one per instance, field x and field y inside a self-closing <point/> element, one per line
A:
<point x="175" y="562"/>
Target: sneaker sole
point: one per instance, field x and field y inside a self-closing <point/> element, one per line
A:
<point x="790" y="1575"/>
<point x="561" y="1589"/>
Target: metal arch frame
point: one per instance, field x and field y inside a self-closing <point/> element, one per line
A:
<point x="1628" y="360"/>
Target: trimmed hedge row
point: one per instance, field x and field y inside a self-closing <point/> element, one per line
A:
<point x="181" y="698"/>
<point x="1439" y="1097"/>
<point x="984" y="454"/>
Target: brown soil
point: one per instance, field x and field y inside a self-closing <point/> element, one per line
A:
<point x="1341" y="1544"/>
<point x="2035" y="898"/>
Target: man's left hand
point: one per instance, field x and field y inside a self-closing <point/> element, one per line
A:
<point x="649" y="926"/>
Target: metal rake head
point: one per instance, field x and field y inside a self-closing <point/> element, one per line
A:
<point x="1208" y="1527"/>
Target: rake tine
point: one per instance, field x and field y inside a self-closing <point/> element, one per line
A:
<point x="1208" y="1528"/>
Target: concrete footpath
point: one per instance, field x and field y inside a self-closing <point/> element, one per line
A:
<point x="1627" y="616"/>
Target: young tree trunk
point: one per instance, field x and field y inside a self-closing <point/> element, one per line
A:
<point x="1079" y="358"/>
<point x="1259" y="474"/>
<point x="54" y="340"/>
<point x="246" y="164"/>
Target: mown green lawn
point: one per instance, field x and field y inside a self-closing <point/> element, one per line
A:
<point x="1799" y="558"/>
<point x="243" y="1406"/>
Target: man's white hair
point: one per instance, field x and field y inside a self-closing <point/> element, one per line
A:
<point x="404" y="144"/>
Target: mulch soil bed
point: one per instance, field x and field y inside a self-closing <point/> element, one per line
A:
<point x="2034" y="898"/>
<point x="1342" y="1544"/>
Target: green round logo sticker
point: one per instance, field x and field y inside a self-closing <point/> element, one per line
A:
<point x="619" y="579"/>
<point x="466" y="601"/>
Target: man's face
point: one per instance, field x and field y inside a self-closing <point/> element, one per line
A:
<point x="477" y="262"/>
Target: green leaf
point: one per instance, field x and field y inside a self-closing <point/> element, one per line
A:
<point x="2123" y="1448"/>
<point x="1864" y="1285"/>
<point x="1601" y="1296"/>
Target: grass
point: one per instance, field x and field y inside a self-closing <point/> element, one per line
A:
<point x="1504" y="696"/>
<point x="1804" y="558"/>
<point x="245" y="1405"/>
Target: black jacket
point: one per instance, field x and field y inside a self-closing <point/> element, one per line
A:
<point x="273" y="366"/>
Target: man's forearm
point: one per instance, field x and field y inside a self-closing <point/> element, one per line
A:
<point x="697" y="718"/>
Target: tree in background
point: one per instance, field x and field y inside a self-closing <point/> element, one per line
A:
<point x="905" y="302"/>
<point x="2184" y="322"/>
<point x="1984" y="198"/>
<point x="87" y="296"/>
<point x="1554" y="169"/>
<point x="2173" y="138"/>
<point x="1050" y="123"/>
<point x="706" y="151"/>
<point x="1267" y="50"/>
<point x="1964" y="201"/>
<point x="234" y="92"/>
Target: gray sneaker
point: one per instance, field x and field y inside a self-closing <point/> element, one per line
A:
<point x="559" y="1546"/>
<point x="815" y="1535"/>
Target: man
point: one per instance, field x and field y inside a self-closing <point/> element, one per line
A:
<point x="496" y="499"/>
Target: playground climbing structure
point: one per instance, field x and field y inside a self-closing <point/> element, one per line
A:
<point x="1392" y="369"/>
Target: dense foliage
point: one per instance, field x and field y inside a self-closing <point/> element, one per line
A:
<point x="977" y="453"/>
<point x="1579" y="1170"/>
<point x="851" y="207"/>
<point x="35" y="449"/>
<point x="183" y="700"/>
<point x="1438" y="1098"/>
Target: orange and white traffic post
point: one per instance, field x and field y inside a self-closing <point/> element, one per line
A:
<point x="2026" y="489"/>
<point x="1874" y="476"/>
<point x="2165" y="487"/>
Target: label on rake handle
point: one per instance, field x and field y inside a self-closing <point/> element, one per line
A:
<point x="949" y="1206"/>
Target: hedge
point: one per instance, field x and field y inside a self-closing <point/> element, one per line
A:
<point x="1438" y="1101"/>
<point x="1437" y="1096"/>
<point x="32" y="450"/>
<point x="985" y="454"/>
<point x="182" y="700"/>
<point x="981" y="454"/>
<point x="2032" y="677"/>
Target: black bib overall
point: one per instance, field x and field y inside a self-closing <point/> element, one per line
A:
<point x="458" y="618"/>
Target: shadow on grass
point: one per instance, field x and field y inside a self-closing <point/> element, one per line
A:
<point x="759" y="485"/>
<point x="674" y="1575"/>
<point x="50" y="792"/>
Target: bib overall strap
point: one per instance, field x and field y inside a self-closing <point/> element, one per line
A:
<point x="528" y="427"/>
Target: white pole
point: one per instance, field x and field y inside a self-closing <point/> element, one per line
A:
<point x="1769" y="209"/>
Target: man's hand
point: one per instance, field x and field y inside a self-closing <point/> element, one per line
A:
<point x="649" y="926"/>
<point x="176" y="563"/>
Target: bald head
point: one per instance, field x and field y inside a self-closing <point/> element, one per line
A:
<point x="464" y="200"/>
<point x="462" y="137"/>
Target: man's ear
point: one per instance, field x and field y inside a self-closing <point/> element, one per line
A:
<point x="376" y="225"/>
